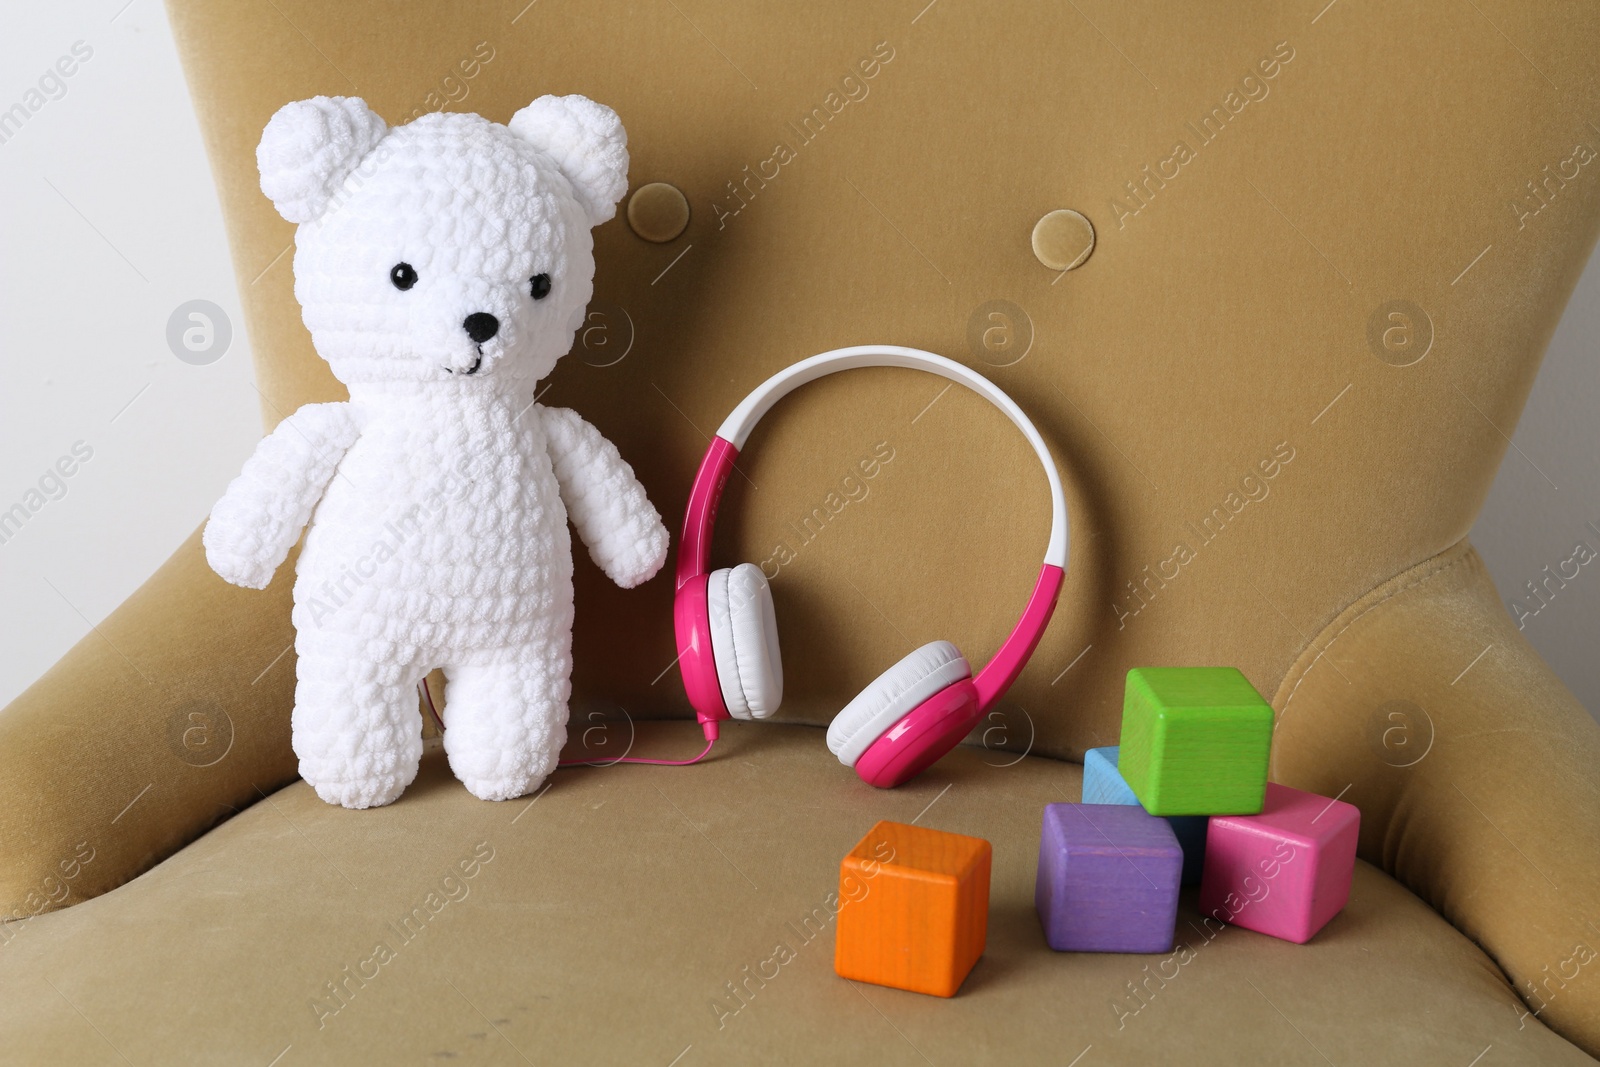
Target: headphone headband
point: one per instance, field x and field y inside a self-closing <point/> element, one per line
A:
<point x="695" y="546"/>
<point x="736" y="428"/>
<point x="694" y="551"/>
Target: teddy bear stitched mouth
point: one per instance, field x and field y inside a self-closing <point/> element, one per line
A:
<point x="476" y="363"/>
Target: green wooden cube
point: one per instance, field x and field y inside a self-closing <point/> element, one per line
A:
<point x="1195" y="741"/>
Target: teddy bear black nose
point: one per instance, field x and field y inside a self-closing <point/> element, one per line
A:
<point x="480" y="326"/>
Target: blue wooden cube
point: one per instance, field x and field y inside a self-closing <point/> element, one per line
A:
<point x="1104" y="784"/>
<point x="1108" y="879"/>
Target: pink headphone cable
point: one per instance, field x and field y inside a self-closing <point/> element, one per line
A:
<point x="423" y="685"/>
<point x="710" y="732"/>
<point x="635" y="759"/>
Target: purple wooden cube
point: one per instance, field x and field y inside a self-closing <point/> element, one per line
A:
<point x="1108" y="879"/>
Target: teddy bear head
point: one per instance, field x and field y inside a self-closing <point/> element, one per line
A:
<point x="451" y="250"/>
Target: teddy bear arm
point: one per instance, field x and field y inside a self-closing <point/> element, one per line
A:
<point x="259" y="518"/>
<point x="605" y="501"/>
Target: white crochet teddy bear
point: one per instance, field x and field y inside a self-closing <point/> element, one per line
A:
<point x="442" y="268"/>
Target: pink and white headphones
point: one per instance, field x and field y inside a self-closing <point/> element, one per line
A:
<point x="727" y="632"/>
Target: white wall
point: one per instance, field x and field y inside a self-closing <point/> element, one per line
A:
<point x="1546" y="496"/>
<point x="109" y="222"/>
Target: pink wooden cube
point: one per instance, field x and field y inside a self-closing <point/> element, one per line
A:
<point x="1284" y="872"/>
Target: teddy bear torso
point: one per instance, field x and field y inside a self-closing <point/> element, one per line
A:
<point x="442" y="531"/>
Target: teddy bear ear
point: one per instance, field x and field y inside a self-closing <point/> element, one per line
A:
<point x="587" y="142"/>
<point x="310" y="147"/>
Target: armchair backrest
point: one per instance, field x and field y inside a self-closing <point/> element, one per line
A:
<point x="1329" y="249"/>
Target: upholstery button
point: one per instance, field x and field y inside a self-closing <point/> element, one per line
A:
<point x="658" y="212"/>
<point x="1063" y="239"/>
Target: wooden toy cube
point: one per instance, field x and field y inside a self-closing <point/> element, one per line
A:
<point x="1284" y="872"/>
<point x="1108" y="879"/>
<point x="1104" y="784"/>
<point x="915" y="911"/>
<point x="1195" y="741"/>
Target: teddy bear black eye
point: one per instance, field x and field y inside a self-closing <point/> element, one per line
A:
<point x="539" y="286"/>
<point x="403" y="276"/>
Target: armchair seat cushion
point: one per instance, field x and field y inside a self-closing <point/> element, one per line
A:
<point x="632" y="913"/>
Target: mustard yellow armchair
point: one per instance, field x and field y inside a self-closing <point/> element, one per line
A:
<point x="1331" y="241"/>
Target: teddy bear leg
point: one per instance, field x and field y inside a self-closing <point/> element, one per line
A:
<point x="356" y="727"/>
<point x="505" y="717"/>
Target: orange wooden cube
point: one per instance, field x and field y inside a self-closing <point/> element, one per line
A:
<point x="914" y="908"/>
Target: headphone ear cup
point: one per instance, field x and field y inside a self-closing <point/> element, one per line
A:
<point x="894" y="693"/>
<point x="744" y="641"/>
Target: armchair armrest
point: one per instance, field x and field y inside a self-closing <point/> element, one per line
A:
<point x="1476" y="771"/>
<point x="170" y="716"/>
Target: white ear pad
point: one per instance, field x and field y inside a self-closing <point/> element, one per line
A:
<point x="896" y="691"/>
<point x="744" y="641"/>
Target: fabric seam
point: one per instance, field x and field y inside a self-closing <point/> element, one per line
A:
<point x="1461" y="549"/>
